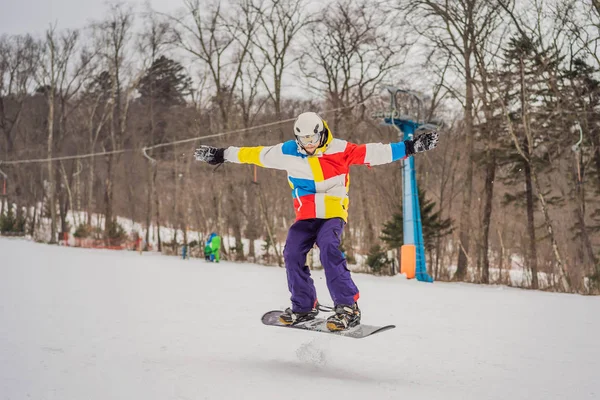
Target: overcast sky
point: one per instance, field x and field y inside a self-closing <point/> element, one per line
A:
<point x="35" y="16"/>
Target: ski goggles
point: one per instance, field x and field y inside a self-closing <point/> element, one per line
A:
<point x="309" y="139"/>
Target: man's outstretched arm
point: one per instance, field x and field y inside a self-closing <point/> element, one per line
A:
<point x="379" y="153"/>
<point x="263" y="156"/>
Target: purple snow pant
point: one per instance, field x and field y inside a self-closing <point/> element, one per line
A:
<point x="327" y="233"/>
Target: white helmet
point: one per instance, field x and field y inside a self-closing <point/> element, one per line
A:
<point x="309" y="129"/>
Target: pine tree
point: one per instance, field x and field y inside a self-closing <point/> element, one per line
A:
<point x="377" y="259"/>
<point x="434" y="226"/>
<point x="536" y="127"/>
<point x="524" y="81"/>
<point x="165" y="82"/>
<point x="10" y="222"/>
<point x="392" y="232"/>
<point x="581" y="90"/>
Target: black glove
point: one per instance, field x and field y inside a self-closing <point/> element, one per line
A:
<point x="209" y="154"/>
<point x="424" y="142"/>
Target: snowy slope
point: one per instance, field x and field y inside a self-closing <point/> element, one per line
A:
<point x="93" y="324"/>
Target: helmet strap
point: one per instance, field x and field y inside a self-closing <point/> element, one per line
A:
<point x="324" y="136"/>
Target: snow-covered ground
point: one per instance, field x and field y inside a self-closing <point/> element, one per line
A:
<point x="97" y="324"/>
<point x="516" y="275"/>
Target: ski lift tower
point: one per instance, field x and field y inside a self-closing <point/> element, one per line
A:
<point x="412" y="252"/>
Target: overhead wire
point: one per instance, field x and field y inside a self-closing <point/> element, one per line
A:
<point x="62" y="158"/>
<point x="145" y="149"/>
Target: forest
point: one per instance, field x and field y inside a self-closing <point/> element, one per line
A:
<point x="103" y="121"/>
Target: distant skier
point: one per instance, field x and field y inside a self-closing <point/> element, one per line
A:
<point x="207" y="251"/>
<point x="212" y="250"/>
<point x="318" y="172"/>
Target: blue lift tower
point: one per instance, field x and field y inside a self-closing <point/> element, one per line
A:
<point x="412" y="252"/>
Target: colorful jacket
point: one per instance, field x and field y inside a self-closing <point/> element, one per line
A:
<point x="319" y="182"/>
<point x="213" y="244"/>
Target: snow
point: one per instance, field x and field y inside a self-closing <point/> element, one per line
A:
<point x="100" y="324"/>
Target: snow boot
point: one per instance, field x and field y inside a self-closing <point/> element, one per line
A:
<point x="288" y="317"/>
<point x="345" y="317"/>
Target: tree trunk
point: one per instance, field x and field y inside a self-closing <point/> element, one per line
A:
<point x="562" y="273"/>
<point x="62" y="211"/>
<point x="586" y="242"/>
<point x="500" y="257"/>
<point x="67" y="202"/>
<point x="251" y="253"/>
<point x="465" y="215"/>
<point x="595" y="139"/>
<point x="33" y="220"/>
<point x="157" y="208"/>
<point x="528" y="169"/>
<point x="131" y="186"/>
<point x="269" y="229"/>
<point x="51" y="190"/>
<point x="152" y="170"/>
<point x="533" y="259"/>
<point x="90" y="194"/>
<point x="526" y="153"/>
<point x="149" y="191"/>
<point x="77" y="204"/>
<point x="19" y="216"/>
<point x="108" y="195"/>
<point x="177" y="220"/>
<point x="369" y="231"/>
<point x="438" y="240"/>
<point x="487" y="215"/>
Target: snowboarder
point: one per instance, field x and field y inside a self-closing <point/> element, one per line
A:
<point x="318" y="167"/>
<point x="212" y="250"/>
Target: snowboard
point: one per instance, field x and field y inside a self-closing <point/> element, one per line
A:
<point x="320" y="325"/>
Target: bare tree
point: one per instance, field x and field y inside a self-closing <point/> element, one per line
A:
<point x="530" y="43"/>
<point x="211" y="37"/>
<point x="239" y="54"/>
<point x="73" y="74"/>
<point x="582" y="96"/>
<point x="54" y="77"/>
<point x="565" y="282"/>
<point x="95" y="111"/>
<point x="114" y="35"/>
<point x="352" y="47"/>
<point x="19" y="56"/>
<point x="280" y="22"/>
<point x="243" y="29"/>
<point x="486" y="52"/>
<point x="153" y="42"/>
<point x="582" y="19"/>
